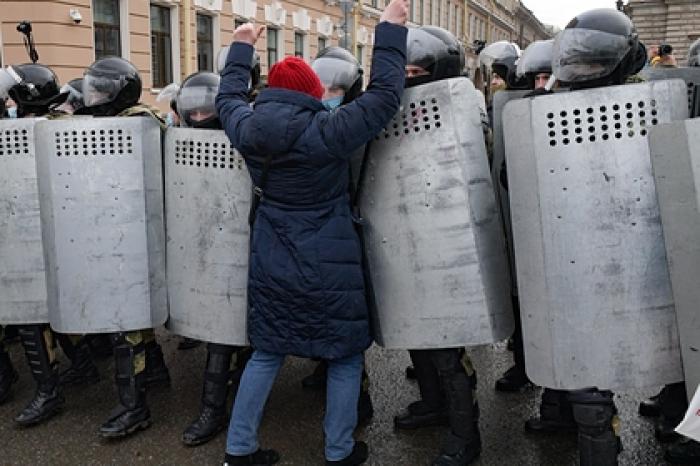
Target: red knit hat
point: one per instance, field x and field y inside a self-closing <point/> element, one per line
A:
<point x="293" y="73"/>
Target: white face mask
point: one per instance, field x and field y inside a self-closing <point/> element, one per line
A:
<point x="12" y="112"/>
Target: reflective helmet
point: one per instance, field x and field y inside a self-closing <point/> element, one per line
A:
<point x="195" y="100"/>
<point x="74" y="89"/>
<point x="33" y="87"/>
<point x="694" y="54"/>
<point x="501" y="58"/>
<point x="338" y="68"/>
<point x="435" y="50"/>
<point x="110" y="86"/>
<point x="536" y="59"/>
<point x="597" y="48"/>
<point x="255" y="72"/>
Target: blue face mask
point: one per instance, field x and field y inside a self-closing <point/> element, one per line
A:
<point x="12" y="112"/>
<point x="169" y="120"/>
<point x="333" y="103"/>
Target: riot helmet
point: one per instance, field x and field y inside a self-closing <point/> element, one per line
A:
<point x="255" y="72"/>
<point x="33" y="87"/>
<point x="597" y="48"/>
<point x="501" y="58"/>
<point x="195" y="100"/>
<point x="110" y="86"/>
<point x="338" y="69"/>
<point x="694" y="54"/>
<point x="536" y="60"/>
<point x="436" y="51"/>
<point x="74" y="89"/>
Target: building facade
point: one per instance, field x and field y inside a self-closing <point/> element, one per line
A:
<point x="169" y="39"/>
<point x="674" y="22"/>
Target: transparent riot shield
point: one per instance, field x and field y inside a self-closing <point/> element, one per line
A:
<point x="22" y="276"/>
<point x="691" y="76"/>
<point x="434" y="238"/>
<point x="101" y="195"/>
<point x="675" y="155"/>
<point x="594" y="287"/>
<point x="207" y="196"/>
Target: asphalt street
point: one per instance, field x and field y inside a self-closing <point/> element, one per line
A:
<point x="292" y="423"/>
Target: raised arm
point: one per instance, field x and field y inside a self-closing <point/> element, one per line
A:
<point x="355" y="124"/>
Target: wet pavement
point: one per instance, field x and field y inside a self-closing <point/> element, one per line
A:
<point x="292" y="424"/>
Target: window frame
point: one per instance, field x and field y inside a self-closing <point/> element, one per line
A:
<point x="106" y="26"/>
<point x="211" y="40"/>
<point x="298" y="35"/>
<point x="276" y="44"/>
<point x="173" y="11"/>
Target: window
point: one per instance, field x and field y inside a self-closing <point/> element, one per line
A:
<point x="298" y="44"/>
<point x="322" y="43"/>
<point x="271" y="46"/>
<point x="161" y="46"/>
<point x="360" y="55"/>
<point x="412" y="12"/>
<point x="107" y="35"/>
<point x="421" y="11"/>
<point x="439" y="13"/>
<point x="205" y="43"/>
<point x="239" y="22"/>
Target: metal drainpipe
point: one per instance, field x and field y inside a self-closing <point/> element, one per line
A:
<point x="187" y="36"/>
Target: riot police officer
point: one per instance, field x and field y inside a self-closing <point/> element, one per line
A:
<point x="597" y="48"/>
<point x="446" y="378"/>
<point x="112" y="87"/>
<point x="195" y="107"/>
<point x="533" y="71"/>
<point x="342" y="78"/>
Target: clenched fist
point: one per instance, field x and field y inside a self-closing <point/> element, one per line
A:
<point x="396" y="12"/>
<point x="247" y="33"/>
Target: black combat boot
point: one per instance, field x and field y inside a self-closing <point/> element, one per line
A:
<point x="684" y="452"/>
<point x="157" y="374"/>
<point x="132" y="414"/>
<point x="317" y="379"/>
<point x="463" y="443"/>
<point x="595" y="415"/>
<point x="358" y="455"/>
<point x="213" y="415"/>
<point x="651" y="407"/>
<point x="101" y="345"/>
<point x="556" y="414"/>
<point x="259" y="458"/>
<point x="48" y="399"/>
<point x="82" y="370"/>
<point x="431" y="409"/>
<point x="8" y="375"/>
<point x="673" y="403"/>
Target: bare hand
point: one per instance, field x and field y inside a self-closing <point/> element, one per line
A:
<point x="247" y="33"/>
<point x="396" y="12"/>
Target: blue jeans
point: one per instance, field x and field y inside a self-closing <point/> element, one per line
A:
<point x="342" y="392"/>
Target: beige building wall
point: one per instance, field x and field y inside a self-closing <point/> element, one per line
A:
<point x="68" y="47"/>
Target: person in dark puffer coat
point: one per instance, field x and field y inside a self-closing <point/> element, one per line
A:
<point x="305" y="286"/>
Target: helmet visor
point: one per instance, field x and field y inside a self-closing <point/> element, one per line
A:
<point x="537" y="58"/>
<point x="584" y="54"/>
<point x="336" y="73"/>
<point x="498" y="51"/>
<point x="98" y="90"/>
<point x="168" y="93"/>
<point x="197" y="103"/>
<point x="423" y="49"/>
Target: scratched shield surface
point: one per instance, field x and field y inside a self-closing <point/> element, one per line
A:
<point x="595" y="294"/>
<point x="691" y="76"/>
<point x="435" y="241"/>
<point x="22" y="276"/>
<point x="101" y="196"/>
<point x="207" y="196"/>
<point x="675" y="156"/>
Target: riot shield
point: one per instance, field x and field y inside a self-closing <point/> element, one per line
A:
<point x="22" y="276"/>
<point x="691" y="76"/>
<point x="675" y="156"/>
<point x="594" y="287"/>
<point x="434" y="239"/>
<point x="101" y="195"/>
<point x="500" y="99"/>
<point x="207" y="198"/>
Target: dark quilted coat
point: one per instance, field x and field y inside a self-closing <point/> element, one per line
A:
<point x="305" y="282"/>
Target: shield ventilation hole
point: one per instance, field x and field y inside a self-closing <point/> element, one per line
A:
<point x="94" y="142"/>
<point x="15" y="142"/>
<point x="602" y="122"/>
<point x="206" y="154"/>
<point x="422" y="115"/>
